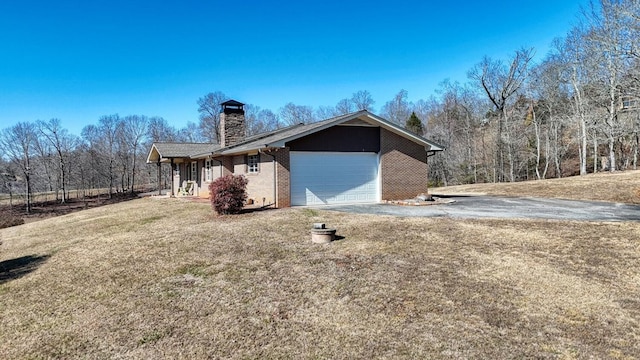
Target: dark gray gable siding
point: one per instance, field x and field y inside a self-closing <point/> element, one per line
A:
<point x="340" y="139"/>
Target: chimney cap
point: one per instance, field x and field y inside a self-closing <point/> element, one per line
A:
<point x="231" y="103"/>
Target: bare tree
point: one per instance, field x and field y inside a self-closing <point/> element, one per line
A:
<point x="7" y="177"/>
<point x="572" y="58"/>
<point x="160" y="130"/>
<point x="252" y="124"/>
<point x="453" y="121"/>
<point x="44" y="162"/>
<point x="135" y="131"/>
<point x="345" y="106"/>
<point x="63" y="144"/>
<point x="292" y="114"/>
<point x="16" y="143"/>
<point x="362" y="100"/>
<point x="191" y="133"/>
<point x="326" y="112"/>
<point x="209" y="109"/>
<point x="103" y="145"/>
<point x="398" y="109"/>
<point x="259" y="120"/>
<point x="501" y="83"/>
<point x="610" y="38"/>
<point x="268" y="119"/>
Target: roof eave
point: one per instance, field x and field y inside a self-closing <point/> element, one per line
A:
<point x="282" y="142"/>
<point x="432" y="146"/>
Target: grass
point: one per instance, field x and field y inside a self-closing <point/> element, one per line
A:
<point x="161" y="278"/>
<point x="621" y="187"/>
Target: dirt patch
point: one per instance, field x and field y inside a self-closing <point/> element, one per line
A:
<point x="47" y="209"/>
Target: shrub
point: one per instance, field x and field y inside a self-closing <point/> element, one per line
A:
<point x="228" y="194"/>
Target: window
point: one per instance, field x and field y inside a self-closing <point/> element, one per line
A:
<point x="252" y="163"/>
<point x="194" y="171"/>
<point x="629" y="103"/>
<point x="207" y="170"/>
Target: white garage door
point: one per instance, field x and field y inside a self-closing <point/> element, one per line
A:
<point x="333" y="178"/>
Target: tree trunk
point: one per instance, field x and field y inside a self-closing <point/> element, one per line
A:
<point x="583" y="145"/>
<point x="612" y="153"/>
<point x="538" y="146"/>
<point x="28" y="191"/>
<point x="556" y="152"/>
<point x="595" y="153"/>
<point x="635" y="152"/>
<point x="547" y="152"/>
<point x="64" y="178"/>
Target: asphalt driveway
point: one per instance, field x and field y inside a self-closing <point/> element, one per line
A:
<point x="474" y="207"/>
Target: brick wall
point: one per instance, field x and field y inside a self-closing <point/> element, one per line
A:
<point x="403" y="167"/>
<point x="260" y="186"/>
<point x="227" y="165"/>
<point x="283" y="178"/>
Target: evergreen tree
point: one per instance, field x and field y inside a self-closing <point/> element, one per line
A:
<point x="414" y="124"/>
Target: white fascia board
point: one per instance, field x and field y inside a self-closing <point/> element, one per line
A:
<point x="153" y="147"/>
<point x="430" y="146"/>
<point x="200" y="156"/>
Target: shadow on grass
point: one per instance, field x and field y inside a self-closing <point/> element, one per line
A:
<point x="338" y="238"/>
<point x="19" y="267"/>
<point x="249" y="210"/>
<point x="451" y="196"/>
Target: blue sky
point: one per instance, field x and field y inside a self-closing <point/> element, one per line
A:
<point x="79" y="60"/>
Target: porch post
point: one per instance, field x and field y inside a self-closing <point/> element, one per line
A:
<point x="172" y="178"/>
<point x="159" y="177"/>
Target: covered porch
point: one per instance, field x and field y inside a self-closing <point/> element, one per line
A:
<point x="189" y="176"/>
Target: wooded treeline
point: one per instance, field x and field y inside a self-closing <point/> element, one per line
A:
<point x="574" y="111"/>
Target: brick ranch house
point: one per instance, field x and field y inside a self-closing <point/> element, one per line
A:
<point x="353" y="158"/>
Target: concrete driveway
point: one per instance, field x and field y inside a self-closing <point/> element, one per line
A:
<point x="475" y="207"/>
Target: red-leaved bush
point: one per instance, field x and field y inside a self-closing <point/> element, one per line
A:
<point x="228" y="194"/>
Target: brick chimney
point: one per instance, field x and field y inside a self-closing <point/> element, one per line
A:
<point x="232" y="127"/>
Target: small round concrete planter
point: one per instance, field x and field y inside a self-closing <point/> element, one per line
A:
<point x="322" y="236"/>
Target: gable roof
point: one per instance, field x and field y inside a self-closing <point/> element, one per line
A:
<point x="164" y="151"/>
<point x="280" y="137"/>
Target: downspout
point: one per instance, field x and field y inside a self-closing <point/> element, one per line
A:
<point x="430" y="153"/>
<point x="275" y="183"/>
<point x="219" y="162"/>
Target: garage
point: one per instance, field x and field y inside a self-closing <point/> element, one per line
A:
<point x="333" y="177"/>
